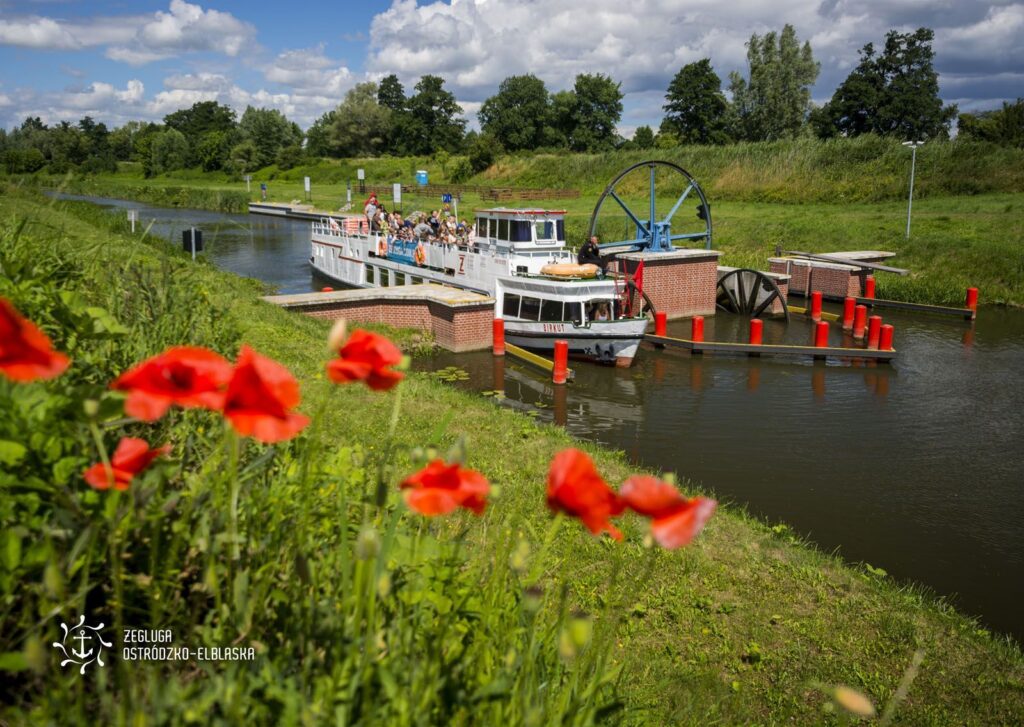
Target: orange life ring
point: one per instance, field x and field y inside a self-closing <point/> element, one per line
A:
<point x="382" y="247"/>
<point x="420" y="255"/>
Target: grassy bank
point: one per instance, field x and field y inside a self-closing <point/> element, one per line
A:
<point x="746" y="626"/>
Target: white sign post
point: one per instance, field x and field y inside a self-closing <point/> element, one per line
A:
<point x="306" y="183"/>
<point x="248" y="178"/>
<point x="361" y="176"/>
<point x="133" y="216"/>
<point x="396" y="193"/>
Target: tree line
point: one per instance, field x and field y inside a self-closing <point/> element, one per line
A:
<point x="893" y="91"/>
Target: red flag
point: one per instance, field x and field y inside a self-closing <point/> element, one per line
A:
<point x="638" y="278"/>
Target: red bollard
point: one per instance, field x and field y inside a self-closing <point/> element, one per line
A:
<point x="498" y="328"/>
<point x="756" y="328"/>
<point x="816" y="305"/>
<point x="849" y="304"/>
<point x="821" y="334"/>
<point x="972" y="299"/>
<point x="560" y="371"/>
<point x="869" y="286"/>
<point x="326" y="289"/>
<point x="874" y="331"/>
<point x="860" y="321"/>
<point x="697" y="329"/>
<point x="885" y="342"/>
<point x="661" y="324"/>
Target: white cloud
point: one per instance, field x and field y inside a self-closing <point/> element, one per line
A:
<point x="37" y="32"/>
<point x="136" y="39"/>
<point x="310" y="71"/>
<point x="475" y="44"/>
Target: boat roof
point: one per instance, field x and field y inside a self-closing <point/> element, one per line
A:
<point x="523" y="212"/>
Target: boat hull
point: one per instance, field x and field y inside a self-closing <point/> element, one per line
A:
<point x="614" y="343"/>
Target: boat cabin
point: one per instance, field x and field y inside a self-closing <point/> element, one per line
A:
<point x="524" y="233"/>
<point x="546" y="300"/>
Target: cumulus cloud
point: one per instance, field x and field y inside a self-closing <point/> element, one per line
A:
<point x="309" y="70"/>
<point x="35" y="32"/>
<point x="475" y="44"/>
<point x="136" y="39"/>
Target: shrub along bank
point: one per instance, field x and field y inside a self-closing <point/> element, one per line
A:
<point x="360" y="610"/>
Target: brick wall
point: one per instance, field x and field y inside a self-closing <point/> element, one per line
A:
<point x="831" y="279"/>
<point x="678" y="286"/>
<point x="456" y="328"/>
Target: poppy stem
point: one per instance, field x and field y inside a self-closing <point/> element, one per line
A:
<point x="98" y="439"/>
<point x="232" y="444"/>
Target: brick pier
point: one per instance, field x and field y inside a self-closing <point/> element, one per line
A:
<point x="680" y="283"/>
<point x="458" y="319"/>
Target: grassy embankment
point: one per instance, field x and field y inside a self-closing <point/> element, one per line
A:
<point x="745" y="626"/>
<point x="968" y="223"/>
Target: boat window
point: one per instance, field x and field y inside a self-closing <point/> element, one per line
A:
<point x="530" y="309"/>
<point x="574" y="313"/>
<point x="369" y="274"/>
<point x="399" y="278"/>
<point x="560" y="230"/>
<point x="520" y="231"/>
<point x="384" y="278"/>
<point x="551" y="310"/>
<point x="545" y="230"/>
<point x="502" y="230"/>
<point x="511" y="307"/>
<point x="599" y="310"/>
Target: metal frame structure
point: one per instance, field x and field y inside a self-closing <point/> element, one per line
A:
<point x="652" y="234"/>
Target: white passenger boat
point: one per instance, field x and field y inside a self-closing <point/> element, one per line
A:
<point x="505" y="259"/>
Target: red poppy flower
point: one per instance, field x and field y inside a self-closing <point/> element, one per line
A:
<point x="260" y="397"/>
<point x="440" y="488"/>
<point x="575" y="487"/>
<point x="675" y="520"/>
<point x="131" y="457"/>
<point x="366" y="357"/>
<point x="188" y="376"/>
<point x="26" y="354"/>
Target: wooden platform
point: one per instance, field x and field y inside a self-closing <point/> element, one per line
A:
<point x="749" y="349"/>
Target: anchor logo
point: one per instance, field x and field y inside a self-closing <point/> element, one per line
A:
<point x="86" y="651"/>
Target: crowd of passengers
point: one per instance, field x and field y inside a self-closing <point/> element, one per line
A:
<point x="439" y="226"/>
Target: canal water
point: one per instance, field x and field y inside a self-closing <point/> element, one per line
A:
<point x="914" y="468"/>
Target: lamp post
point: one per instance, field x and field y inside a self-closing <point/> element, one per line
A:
<point x="913" y="163"/>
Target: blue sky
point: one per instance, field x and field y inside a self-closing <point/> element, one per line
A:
<point x="118" y="61"/>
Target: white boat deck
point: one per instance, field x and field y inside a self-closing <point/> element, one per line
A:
<point x="424" y="291"/>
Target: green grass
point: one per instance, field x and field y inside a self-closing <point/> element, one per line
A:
<point x="741" y="628"/>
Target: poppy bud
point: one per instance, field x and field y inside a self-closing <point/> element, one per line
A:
<point x="91" y="407"/>
<point x="532" y="598"/>
<point x="520" y="557"/>
<point x="853" y="702"/>
<point x="336" y="338"/>
<point x="367" y="544"/>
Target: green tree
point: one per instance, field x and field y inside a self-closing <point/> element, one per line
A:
<point x="269" y="130"/>
<point x="697" y="110"/>
<point x="68" y="147"/>
<point x="244" y="157"/>
<point x="483" y="151"/>
<point x="643" y="137"/>
<point x="201" y="118"/>
<point x="391" y="95"/>
<point x="597" y="110"/>
<point x="1000" y="126"/>
<point x="894" y="93"/>
<point x="213" y="149"/>
<point x="775" y="101"/>
<point x="318" y="137"/>
<point x="122" y="139"/>
<point x="289" y="157"/>
<point x="519" y="115"/>
<point x="433" y="120"/>
<point x="97" y="136"/>
<point x="170" y="151"/>
<point x="563" y="107"/>
<point x="360" y="125"/>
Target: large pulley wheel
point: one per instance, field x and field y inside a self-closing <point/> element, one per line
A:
<point x="748" y="292"/>
<point x="647" y="229"/>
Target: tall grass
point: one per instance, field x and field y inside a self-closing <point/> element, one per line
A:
<point x="867" y="168"/>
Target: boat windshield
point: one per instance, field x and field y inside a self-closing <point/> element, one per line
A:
<point x="601" y="309"/>
<point x="529" y="308"/>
